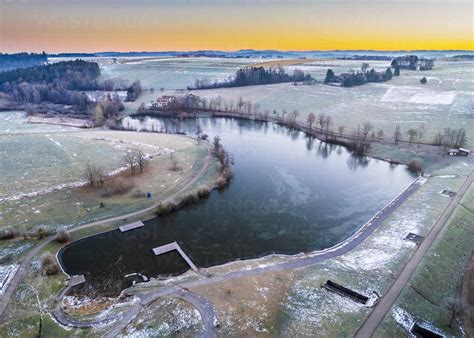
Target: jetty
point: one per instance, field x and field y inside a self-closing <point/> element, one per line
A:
<point x="131" y="226"/>
<point x="175" y="246"/>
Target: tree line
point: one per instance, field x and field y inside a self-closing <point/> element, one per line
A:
<point x="58" y="88"/>
<point x="365" y="75"/>
<point x="21" y="60"/>
<point x="253" y="76"/>
<point x="361" y="137"/>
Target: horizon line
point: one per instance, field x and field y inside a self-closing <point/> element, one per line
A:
<point x="247" y="49"/>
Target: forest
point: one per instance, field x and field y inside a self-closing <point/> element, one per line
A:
<point x="58" y="89"/>
<point x="21" y="60"/>
<point x="255" y="76"/>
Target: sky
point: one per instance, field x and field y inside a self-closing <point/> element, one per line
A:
<point x="163" y="25"/>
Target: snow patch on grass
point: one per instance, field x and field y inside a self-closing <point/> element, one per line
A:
<point x="418" y="95"/>
<point x="6" y="274"/>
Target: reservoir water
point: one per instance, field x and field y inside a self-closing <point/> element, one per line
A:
<point x="289" y="194"/>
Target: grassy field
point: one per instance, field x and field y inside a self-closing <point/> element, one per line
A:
<point x="293" y="302"/>
<point x="281" y="63"/>
<point x="433" y="290"/>
<point x="290" y="303"/>
<point x="59" y="159"/>
<point x="445" y="101"/>
<point x="83" y="204"/>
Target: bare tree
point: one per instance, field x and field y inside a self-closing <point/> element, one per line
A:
<point x="175" y="165"/>
<point x="461" y="138"/>
<point x="219" y="102"/>
<point x="89" y="173"/>
<point x="140" y="158"/>
<point x="397" y="135"/>
<point x="366" y="128"/>
<point x="130" y="161"/>
<point x="294" y="115"/>
<point x="341" y="130"/>
<point x="327" y="123"/>
<point x="240" y="103"/>
<point x="456" y="308"/>
<point x="322" y="121"/>
<point x="364" y="67"/>
<point x="411" y="135"/>
<point x="94" y="173"/>
<point x="420" y="133"/>
<point x="310" y="119"/>
<point x="248" y="107"/>
<point x="256" y="108"/>
<point x="380" y="134"/>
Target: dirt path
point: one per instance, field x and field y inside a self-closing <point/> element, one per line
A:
<point x="346" y="246"/>
<point x="25" y="262"/>
<point x="148" y="297"/>
<point x="204" y="307"/>
<point x="368" y="328"/>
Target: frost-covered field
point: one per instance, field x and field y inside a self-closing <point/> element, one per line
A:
<point x="14" y="122"/>
<point x="166" y="317"/>
<point x="445" y="101"/>
<point x="370" y="267"/>
<point x="36" y="163"/>
<point x="172" y="73"/>
<point x="300" y="307"/>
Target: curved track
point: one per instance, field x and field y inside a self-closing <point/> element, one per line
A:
<point x="25" y="262"/>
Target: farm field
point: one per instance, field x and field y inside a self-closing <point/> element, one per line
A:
<point x="52" y="190"/>
<point x="292" y="302"/>
<point x="285" y="303"/>
<point x="445" y="101"/>
<point x="431" y="297"/>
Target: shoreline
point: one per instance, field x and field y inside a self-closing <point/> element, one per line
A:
<point x="294" y="261"/>
<point x="328" y="137"/>
<point x="314" y="252"/>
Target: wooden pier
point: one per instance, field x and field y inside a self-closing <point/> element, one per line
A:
<point x="174" y="246"/>
<point x="131" y="226"/>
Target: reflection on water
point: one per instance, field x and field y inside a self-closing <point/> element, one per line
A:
<point x="290" y="193"/>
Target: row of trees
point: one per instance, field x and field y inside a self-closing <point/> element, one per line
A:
<point x="59" y="83"/>
<point x="255" y="76"/>
<point x="360" y="77"/>
<point x="134" y="158"/>
<point x="361" y="137"/>
<point x="133" y="91"/>
<point x="107" y="109"/>
<point x="21" y="60"/>
<point x="58" y="88"/>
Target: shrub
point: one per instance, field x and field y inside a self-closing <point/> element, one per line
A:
<point x="191" y="198"/>
<point x="7" y="233"/>
<point x="166" y="208"/>
<point x="49" y="265"/>
<point x="41" y="233"/>
<point x="415" y="166"/>
<point x="226" y="173"/>
<point x="118" y="186"/>
<point x="221" y="182"/>
<point x="139" y="193"/>
<point x="62" y="235"/>
<point x="175" y="166"/>
<point x="203" y="191"/>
